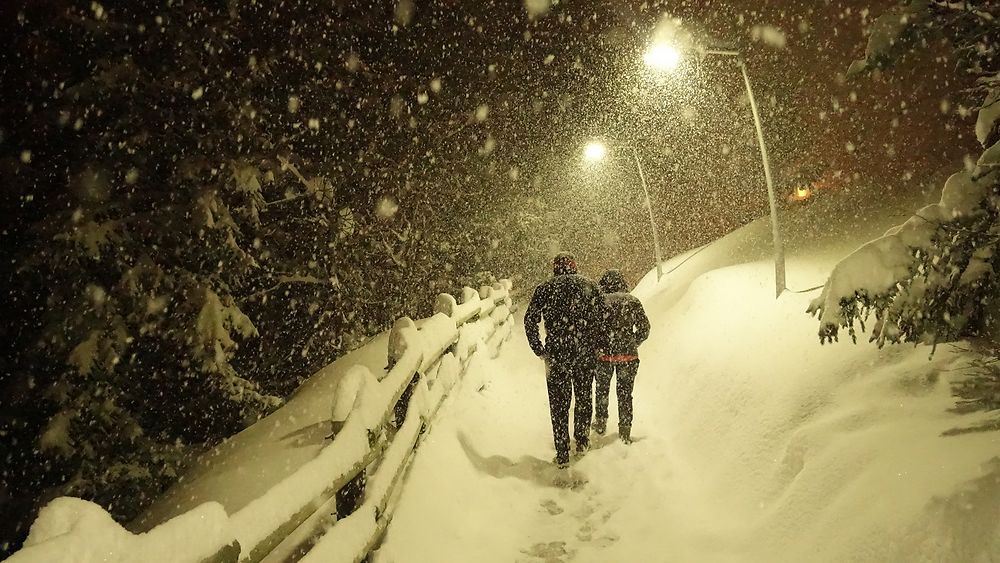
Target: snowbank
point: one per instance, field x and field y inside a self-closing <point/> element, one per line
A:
<point x="245" y="466"/>
<point x="72" y="530"/>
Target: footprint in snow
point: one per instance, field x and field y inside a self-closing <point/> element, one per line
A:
<point x="606" y="541"/>
<point x="607" y="515"/>
<point x="585" y="511"/>
<point x="551" y="507"/>
<point x="568" y="479"/>
<point x="550" y="552"/>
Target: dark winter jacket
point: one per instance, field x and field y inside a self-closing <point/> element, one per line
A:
<point x="570" y="306"/>
<point x="624" y="325"/>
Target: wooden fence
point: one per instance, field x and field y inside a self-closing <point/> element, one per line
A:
<point x="336" y="506"/>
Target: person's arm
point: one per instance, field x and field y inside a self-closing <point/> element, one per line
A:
<point x="598" y="322"/>
<point x="641" y="323"/>
<point x="533" y="316"/>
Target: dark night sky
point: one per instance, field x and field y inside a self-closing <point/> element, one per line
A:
<point x="553" y="82"/>
<point x="695" y="134"/>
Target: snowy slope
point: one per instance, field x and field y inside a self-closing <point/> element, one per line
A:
<point x="755" y="443"/>
<point x="243" y="467"/>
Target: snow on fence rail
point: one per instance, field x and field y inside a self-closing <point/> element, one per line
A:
<point x="377" y="423"/>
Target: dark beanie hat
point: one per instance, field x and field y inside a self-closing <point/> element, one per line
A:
<point x="564" y="263"/>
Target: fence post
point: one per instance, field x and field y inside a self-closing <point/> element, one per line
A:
<point x="469" y="295"/>
<point x="399" y="411"/>
<point x="350" y="496"/>
<point x="445" y="303"/>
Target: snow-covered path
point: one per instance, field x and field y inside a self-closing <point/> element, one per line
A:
<point x="755" y="443"/>
<point x="484" y="476"/>
<point x="755" y="447"/>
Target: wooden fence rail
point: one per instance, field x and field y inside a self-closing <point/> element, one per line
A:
<point x="336" y="506"/>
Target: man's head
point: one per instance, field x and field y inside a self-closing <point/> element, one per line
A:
<point x="564" y="263"/>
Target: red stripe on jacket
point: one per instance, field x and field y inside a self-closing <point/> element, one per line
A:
<point x="618" y="358"/>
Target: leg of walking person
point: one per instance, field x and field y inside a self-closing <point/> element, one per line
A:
<point x="602" y="389"/>
<point x="583" y="393"/>
<point x="560" y="387"/>
<point x="624" y="383"/>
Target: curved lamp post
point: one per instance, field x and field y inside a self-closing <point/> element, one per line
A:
<point x="665" y="57"/>
<point x="596" y="151"/>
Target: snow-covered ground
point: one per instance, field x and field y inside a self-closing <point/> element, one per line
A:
<point x="754" y="443"/>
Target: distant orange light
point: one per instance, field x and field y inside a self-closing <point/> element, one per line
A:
<point x="800" y="193"/>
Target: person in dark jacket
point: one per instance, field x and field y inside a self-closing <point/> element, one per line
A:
<point x="624" y="327"/>
<point x="569" y="304"/>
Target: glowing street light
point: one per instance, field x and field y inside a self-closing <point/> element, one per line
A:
<point x="662" y="57"/>
<point x="596" y="151"/>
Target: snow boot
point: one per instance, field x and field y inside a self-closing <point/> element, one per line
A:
<point x="582" y="449"/>
<point x="601" y="425"/>
<point x="625" y="433"/>
<point x="560" y="461"/>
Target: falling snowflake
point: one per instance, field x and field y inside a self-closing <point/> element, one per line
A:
<point x="537" y="8"/>
<point x="386" y="208"/>
<point x="404" y="12"/>
<point x="769" y="35"/>
<point x="353" y="62"/>
<point x="488" y="146"/>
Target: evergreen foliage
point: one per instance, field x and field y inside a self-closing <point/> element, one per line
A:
<point x="943" y="265"/>
<point x="980" y="390"/>
<point x="207" y="201"/>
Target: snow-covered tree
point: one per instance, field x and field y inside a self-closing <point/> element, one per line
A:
<point x="208" y="201"/>
<point x="193" y="226"/>
<point x="936" y="277"/>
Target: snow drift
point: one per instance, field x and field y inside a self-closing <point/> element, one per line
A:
<point x="755" y="443"/>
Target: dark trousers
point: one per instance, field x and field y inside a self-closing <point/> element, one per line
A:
<point x="623" y="386"/>
<point x="566" y="379"/>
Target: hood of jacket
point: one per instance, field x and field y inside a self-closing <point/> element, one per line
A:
<point x="613" y="282"/>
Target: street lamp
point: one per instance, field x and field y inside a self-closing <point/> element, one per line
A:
<point x="655" y="58"/>
<point x="662" y="57"/>
<point x="596" y="151"/>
